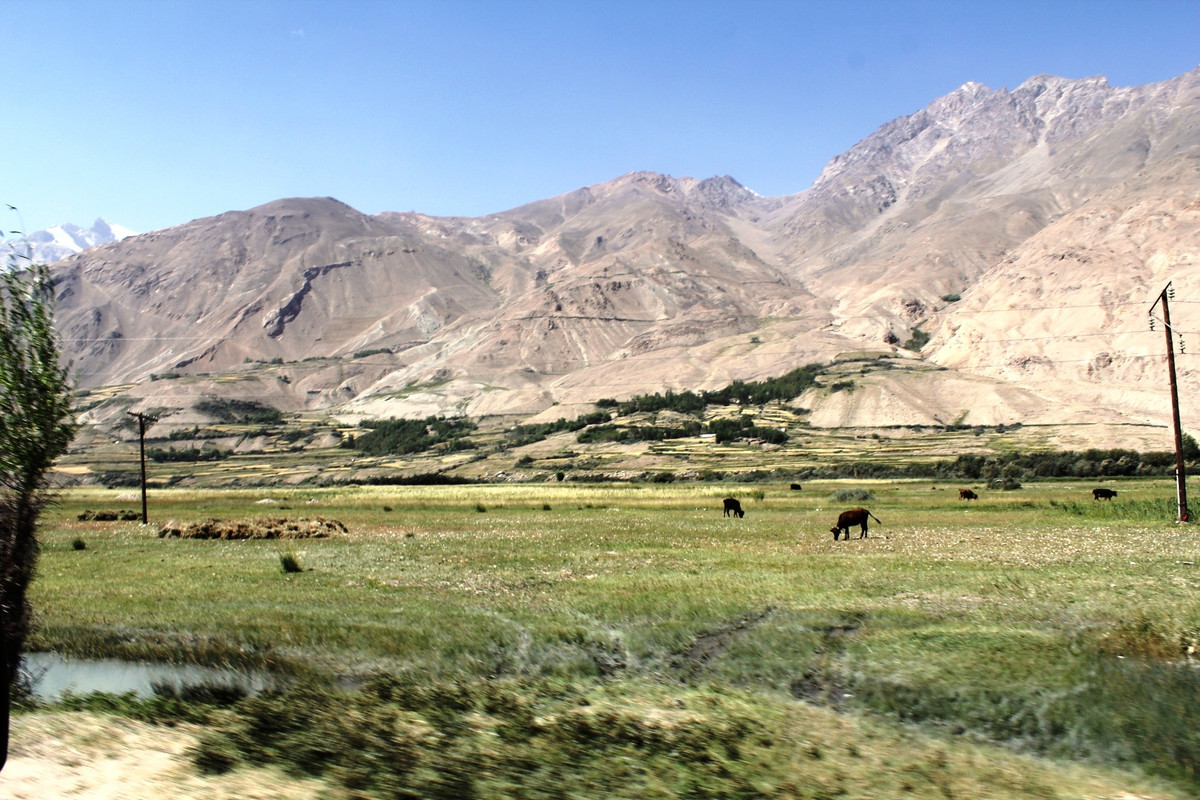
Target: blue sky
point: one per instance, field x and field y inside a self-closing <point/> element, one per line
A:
<point x="156" y="112"/>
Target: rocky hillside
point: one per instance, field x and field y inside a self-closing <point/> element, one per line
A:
<point x="1014" y="239"/>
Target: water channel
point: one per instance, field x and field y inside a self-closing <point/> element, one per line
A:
<point x="52" y="675"/>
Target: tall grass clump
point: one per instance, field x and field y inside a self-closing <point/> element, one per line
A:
<point x="289" y="562"/>
<point x="1139" y="712"/>
<point x="408" y="737"/>
<point x="1153" y="510"/>
<point x="1125" y="700"/>
<point x="399" y="738"/>
<point x="852" y="496"/>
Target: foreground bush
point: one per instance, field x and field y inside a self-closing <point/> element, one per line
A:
<point x="398" y="739"/>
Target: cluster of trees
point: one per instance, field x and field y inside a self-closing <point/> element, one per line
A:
<point x="595" y="427"/>
<point x="527" y="434"/>
<point x="240" y="412"/>
<point x="1091" y="463"/>
<point x="784" y="387"/>
<point x="743" y="427"/>
<point x="400" y="436"/>
<point x="170" y="454"/>
<point x="1011" y="468"/>
<point x="637" y="433"/>
<point x="725" y="430"/>
<point x="193" y="433"/>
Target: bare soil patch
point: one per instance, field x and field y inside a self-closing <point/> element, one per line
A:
<point x="94" y="757"/>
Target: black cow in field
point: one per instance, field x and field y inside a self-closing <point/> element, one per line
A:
<point x="1103" y="494"/>
<point x="967" y="494"/>
<point x="733" y="505"/>
<point x="795" y="487"/>
<point x="848" y="519"/>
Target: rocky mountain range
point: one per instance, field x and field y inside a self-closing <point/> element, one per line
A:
<point x="1002" y="248"/>
<point x="60" y="241"/>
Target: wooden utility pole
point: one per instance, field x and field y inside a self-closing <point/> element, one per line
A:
<point x="1180" y="471"/>
<point x="141" y="418"/>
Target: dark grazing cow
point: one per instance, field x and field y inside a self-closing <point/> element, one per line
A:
<point x="733" y="505"/>
<point x="795" y="487"/>
<point x="848" y="519"/>
<point x="1103" y="494"/>
<point x="967" y="494"/>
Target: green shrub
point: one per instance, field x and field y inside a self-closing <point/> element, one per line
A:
<point x="852" y="496"/>
<point x="214" y="753"/>
<point x="918" y="340"/>
<point x="372" y="352"/>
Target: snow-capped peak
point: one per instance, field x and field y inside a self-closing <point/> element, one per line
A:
<point x="60" y="241"/>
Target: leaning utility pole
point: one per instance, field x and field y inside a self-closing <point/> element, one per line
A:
<point x="1180" y="471"/>
<point x="141" y="418"/>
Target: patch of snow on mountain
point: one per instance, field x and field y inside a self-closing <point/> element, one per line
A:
<point x="60" y="241"/>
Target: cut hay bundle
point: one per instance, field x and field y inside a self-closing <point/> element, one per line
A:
<point x="317" y="528"/>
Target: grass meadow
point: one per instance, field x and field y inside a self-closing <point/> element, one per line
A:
<point x="617" y="640"/>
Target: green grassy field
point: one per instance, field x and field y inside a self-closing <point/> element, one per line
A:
<point x="1032" y="622"/>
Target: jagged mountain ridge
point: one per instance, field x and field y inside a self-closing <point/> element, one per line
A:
<point x="60" y="241"/>
<point x="650" y="282"/>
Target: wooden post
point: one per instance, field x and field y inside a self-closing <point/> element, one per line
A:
<point x="1180" y="470"/>
<point x="141" y="418"/>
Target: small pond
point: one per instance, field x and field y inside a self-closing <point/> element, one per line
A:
<point x="52" y="675"/>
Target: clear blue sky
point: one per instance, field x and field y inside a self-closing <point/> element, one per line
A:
<point x="152" y="113"/>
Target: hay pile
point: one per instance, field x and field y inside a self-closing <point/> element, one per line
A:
<point x="317" y="528"/>
<point x="108" y="516"/>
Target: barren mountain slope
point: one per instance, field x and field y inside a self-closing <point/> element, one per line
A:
<point x="1067" y="313"/>
<point x="927" y="203"/>
<point x="604" y="290"/>
<point x="1056" y="195"/>
<point x="288" y="280"/>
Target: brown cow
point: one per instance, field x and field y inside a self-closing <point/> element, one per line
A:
<point x="967" y="494"/>
<point x="733" y="505"/>
<point x="848" y="519"/>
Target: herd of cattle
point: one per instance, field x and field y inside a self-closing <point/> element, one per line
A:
<point x="858" y="516"/>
